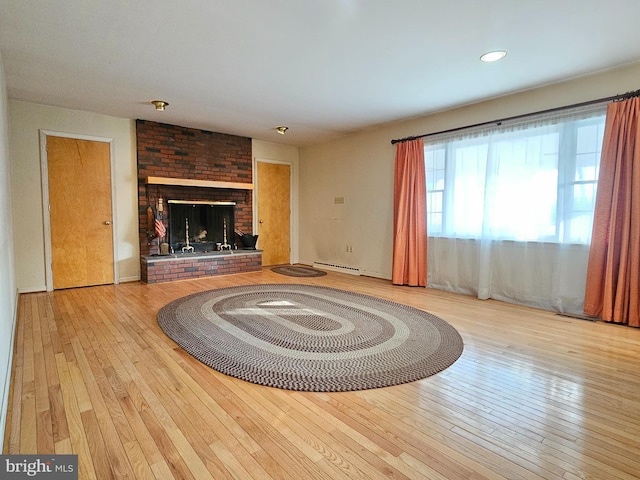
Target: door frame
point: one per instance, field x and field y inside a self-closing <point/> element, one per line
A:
<point x="44" y="169"/>
<point x="293" y="206"/>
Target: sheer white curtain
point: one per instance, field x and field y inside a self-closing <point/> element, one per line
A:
<point x="510" y="208"/>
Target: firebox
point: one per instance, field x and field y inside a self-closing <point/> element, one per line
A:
<point x="200" y="226"/>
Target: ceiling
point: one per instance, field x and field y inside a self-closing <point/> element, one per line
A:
<point x="324" y="68"/>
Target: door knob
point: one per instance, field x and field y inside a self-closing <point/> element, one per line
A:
<point x="107" y="222"/>
<point x="260" y="221"/>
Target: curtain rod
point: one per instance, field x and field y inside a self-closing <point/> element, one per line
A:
<point x="614" y="98"/>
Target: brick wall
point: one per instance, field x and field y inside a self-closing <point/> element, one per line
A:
<point x="168" y="269"/>
<point x="188" y="153"/>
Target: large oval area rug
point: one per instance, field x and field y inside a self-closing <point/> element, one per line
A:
<point x="310" y="338"/>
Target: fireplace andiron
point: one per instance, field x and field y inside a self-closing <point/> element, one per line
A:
<point x="225" y="245"/>
<point x="187" y="247"/>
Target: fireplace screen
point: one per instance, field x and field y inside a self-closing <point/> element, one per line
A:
<point x="205" y="222"/>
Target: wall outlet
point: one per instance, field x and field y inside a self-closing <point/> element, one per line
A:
<point x="349" y="248"/>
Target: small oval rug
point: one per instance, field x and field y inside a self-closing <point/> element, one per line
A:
<point x="298" y="271"/>
<point x="310" y="338"/>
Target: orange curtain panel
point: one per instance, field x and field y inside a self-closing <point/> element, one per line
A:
<point x="613" y="273"/>
<point x="409" y="219"/>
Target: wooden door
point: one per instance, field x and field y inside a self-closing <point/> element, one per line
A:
<point x="79" y="180"/>
<point x="274" y="212"/>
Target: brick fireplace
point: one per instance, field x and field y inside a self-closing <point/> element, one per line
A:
<point x="180" y="163"/>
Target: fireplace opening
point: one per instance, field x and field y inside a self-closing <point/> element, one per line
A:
<point x="206" y="223"/>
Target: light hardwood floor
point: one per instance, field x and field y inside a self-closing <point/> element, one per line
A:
<point x="534" y="395"/>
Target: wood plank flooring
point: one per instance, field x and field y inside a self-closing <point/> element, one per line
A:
<point x="534" y="396"/>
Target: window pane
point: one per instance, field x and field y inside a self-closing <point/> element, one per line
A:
<point x="429" y="161"/>
<point x="587" y="166"/>
<point x="525" y="191"/>
<point x="434" y="223"/>
<point x="438" y="179"/>
<point x="527" y="184"/>
<point x="587" y="140"/>
<point x="584" y="197"/>
<point x="468" y="190"/>
<point x="434" y="201"/>
<point x="440" y="155"/>
<point x="434" y="163"/>
<point x="580" y="225"/>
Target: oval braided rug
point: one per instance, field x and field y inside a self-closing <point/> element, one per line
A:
<point x="310" y="338"/>
<point x="298" y="271"/>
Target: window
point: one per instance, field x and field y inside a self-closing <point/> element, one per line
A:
<point x="531" y="181"/>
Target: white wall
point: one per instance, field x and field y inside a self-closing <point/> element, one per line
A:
<point x="288" y="154"/>
<point x="360" y="169"/>
<point x="8" y="293"/>
<point x="25" y="122"/>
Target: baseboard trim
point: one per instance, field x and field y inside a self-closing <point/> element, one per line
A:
<point x="129" y="279"/>
<point x="579" y="316"/>
<point x="42" y="288"/>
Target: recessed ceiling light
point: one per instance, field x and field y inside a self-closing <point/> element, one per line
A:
<point x="493" y="56"/>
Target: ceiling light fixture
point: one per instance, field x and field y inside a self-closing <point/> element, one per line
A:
<point x="281" y="130"/>
<point x="493" y="56"/>
<point x="159" y="104"/>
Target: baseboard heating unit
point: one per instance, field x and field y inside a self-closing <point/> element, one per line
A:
<point x="337" y="268"/>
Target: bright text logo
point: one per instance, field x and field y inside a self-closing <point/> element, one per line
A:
<point x="50" y="467"/>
